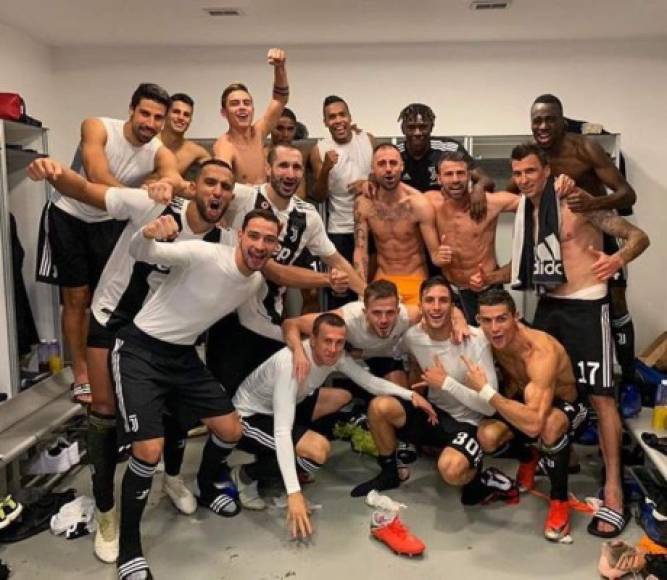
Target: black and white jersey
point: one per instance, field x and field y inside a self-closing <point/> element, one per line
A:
<point x="125" y="284"/>
<point x="204" y="284"/>
<point x="422" y="174"/>
<point x="453" y="397"/>
<point x="271" y="389"/>
<point x="302" y="228"/>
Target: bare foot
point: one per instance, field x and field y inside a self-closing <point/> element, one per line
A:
<point x="613" y="498"/>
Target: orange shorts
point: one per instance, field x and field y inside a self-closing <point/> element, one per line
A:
<point x="408" y="287"/>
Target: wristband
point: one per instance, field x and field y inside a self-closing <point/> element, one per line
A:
<point x="278" y="90"/>
<point x="487" y="393"/>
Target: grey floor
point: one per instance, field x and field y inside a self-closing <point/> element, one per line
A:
<point x="495" y="542"/>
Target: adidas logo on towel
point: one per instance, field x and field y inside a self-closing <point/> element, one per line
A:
<point x="547" y="257"/>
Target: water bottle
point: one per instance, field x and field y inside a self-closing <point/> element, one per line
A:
<point x="660" y="409"/>
<point x="55" y="360"/>
<point x="43" y="356"/>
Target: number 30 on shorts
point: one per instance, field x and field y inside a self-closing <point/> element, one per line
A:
<point x="468" y="443"/>
<point x="587" y="372"/>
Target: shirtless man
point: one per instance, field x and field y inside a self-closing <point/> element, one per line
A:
<point x="574" y="306"/>
<point x="399" y="218"/>
<point x="585" y="161"/>
<point x="466" y="245"/>
<point x="176" y="126"/>
<point x="242" y="146"/>
<point x="538" y="400"/>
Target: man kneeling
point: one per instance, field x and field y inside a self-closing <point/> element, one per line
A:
<point x="278" y="414"/>
<point x="538" y="402"/>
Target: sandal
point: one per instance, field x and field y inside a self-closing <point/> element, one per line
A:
<point x="609" y="516"/>
<point x="658" y="443"/>
<point x="81" y="393"/>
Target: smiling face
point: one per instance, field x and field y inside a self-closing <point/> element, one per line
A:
<point x="436" y="307"/>
<point x="285" y="171"/>
<point x="547" y="123"/>
<point x="239" y="109"/>
<point x="257" y="242"/>
<point x="381" y="315"/>
<point x="453" y="177"/>
<point x="147" y="119"/>
<point x="499" y="324"/>
<point x="417" y="131"/>
<point x="530" y="175"/>
<point x="387" y="168"/>
<point x="179" y="117"/>
<point x="338" y="120"/>
<point x="328" y="344"/>
<point x="214" y="192"/>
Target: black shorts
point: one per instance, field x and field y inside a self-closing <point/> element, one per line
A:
<point x="381" y="366"/>
<point x="575" y="412"/>
<point x="258" y="429"/>
<point x="148" y="371"/>
<point x="345" y="246"/>
<point x="610" y="246"/>
<point x="583" y="327"/>
<point x="99" y="336"/>
<point x="233" y="351"/>
<point x="447" y="433"/>
<point x="71" y="252"/>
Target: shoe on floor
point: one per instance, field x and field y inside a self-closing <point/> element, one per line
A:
<point x="388" y="529"/>
<point x="105" y="544"/>
<point x="557" y="524"/>
<point x="248" y="492"/>
<point x="223" y="503"/>
<point x="179" y="494"/>
<point x="135" y="569"/>
<point x="525" y="475"/>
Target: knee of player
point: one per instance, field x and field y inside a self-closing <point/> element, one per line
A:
<point x="317" y="449"/>
<point x="490" y="437"/>
<point x="148" y="451"/>
<point x="603" y="405"/>
<point x="554" y="428"/>
<point x="380" y="407"/>
<point x="229" y="429"/>
<point x="453" y="467"/>
<point x="76" y="298"/>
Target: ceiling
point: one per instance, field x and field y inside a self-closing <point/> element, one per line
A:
<point x="70" y="23"/>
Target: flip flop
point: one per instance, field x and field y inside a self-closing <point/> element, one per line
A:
<point x="612" y="517"/>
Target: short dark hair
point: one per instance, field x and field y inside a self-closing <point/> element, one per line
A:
<point x="495" y="296"/>
<point x="381" y="146"/>
<point x="187" y="99"/>
<point x="230" y="89"/>
<point x="152" y="92"/>
<point x="380" y="289"/>
<point x="455" y="157"/>
<point x="217" y="163"/>
<point x="414" y="109"/>
<point x="273" y="152"/>
<point x="329" y="318"/>
<point x="330" y="100"/>
<point x="548" y="99"/>
<point x="289" y="114"/>
<point x="265" y="214"/>
<point x="525" y="149"/>
<point x="437" y="280"/>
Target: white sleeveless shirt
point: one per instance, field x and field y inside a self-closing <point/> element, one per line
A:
<point x="128" y="164"/>
<point x="354" y="162"/>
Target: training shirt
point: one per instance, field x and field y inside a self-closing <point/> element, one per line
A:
<point x="360" y="336"/>
<point x="422" y="174"/>
<point x="271" y="389"/>
<point x="204" y="285"/>
<point x="128" y="164"/>
<point x="302" y="228"/>
<point x="462" y="403"/>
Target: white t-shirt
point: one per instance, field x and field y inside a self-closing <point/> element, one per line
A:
<point x="462" y="403"/>
<point x="360" y="336"/>
<point x="204" y="285"/>
<point x="302" y="228"/>
<point x="128" y="164"/>
<point x="271" y="389"/>
<point x="354" y="163"/>
<point x="125" y="284"/>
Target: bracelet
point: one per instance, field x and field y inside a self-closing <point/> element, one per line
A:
<point x="278" y="90"/>
<point x="487" y="393"/>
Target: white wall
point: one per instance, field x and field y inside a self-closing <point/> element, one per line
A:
<point x="474" y="89"/>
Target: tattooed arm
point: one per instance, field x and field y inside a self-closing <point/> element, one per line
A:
<point x="361" y="237"/>
<point x="636" y="241"/>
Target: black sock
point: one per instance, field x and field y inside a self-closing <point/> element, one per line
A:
<point x="308" y="465"/>
<point x="556" y="460"/>
<point x="213" y="466"/>
<point x="518" y="450"/>
<point x="474" y="491"/>
<point x="266" y="467"/>
<point x="624" y="341"/>
<point x="387" y="479"/>
<point x="102" y="446"/>
<point x="174" y="446"/>
<point x="136" y="487"/>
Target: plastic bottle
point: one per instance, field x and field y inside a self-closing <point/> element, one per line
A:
<point x="55" y="360"/>
<point x="43" y="356"/>
<point x="660" y="409"/>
